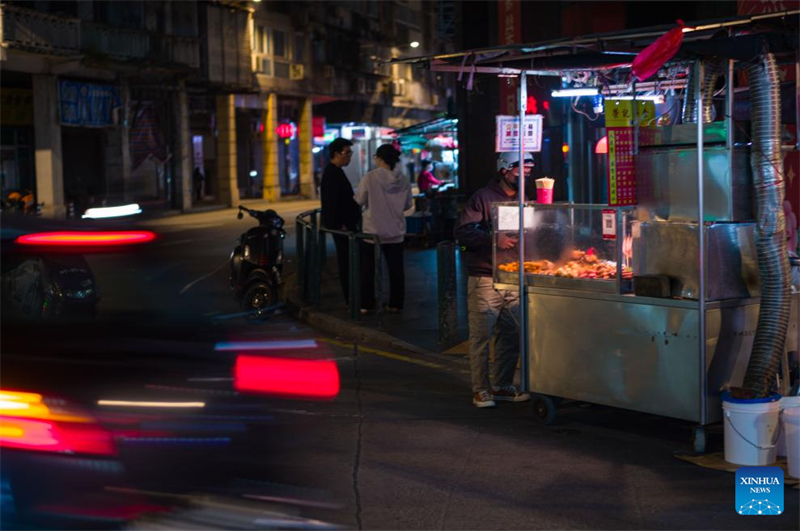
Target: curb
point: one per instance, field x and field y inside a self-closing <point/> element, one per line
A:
<point x="340" y="327"/>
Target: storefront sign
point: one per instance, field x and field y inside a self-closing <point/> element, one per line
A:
<point x="318" y="126"/>
<point x="87" y="104"/>
<point x="16" y="106"/>
<point x="507" y="133"/>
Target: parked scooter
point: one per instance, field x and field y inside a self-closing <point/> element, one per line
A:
<point x="257" y="263"/>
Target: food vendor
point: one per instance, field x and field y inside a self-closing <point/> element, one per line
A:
<point x="491" y="311"/>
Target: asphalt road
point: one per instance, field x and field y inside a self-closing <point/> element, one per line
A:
<point x="402" y="447"/>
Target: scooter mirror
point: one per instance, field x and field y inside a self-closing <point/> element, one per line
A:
<point x="239" y="215"/>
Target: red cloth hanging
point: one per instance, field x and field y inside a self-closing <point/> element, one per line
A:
<point x="662" y="50"/>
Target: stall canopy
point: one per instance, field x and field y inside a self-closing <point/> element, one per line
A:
<point x="440" y="132"/>
<point x="738" y="38"/>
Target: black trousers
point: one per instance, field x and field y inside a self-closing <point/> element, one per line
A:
<point x="367" y="265"/>
<point x="395" y="265"/>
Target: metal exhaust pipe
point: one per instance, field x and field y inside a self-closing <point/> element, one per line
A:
<point x="689" y="112"/>
<point x="773" y="260"/>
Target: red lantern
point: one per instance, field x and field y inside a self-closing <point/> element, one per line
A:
<point x="285" y="130"/>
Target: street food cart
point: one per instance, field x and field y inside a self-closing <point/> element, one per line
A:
<point x="639" y="305"/>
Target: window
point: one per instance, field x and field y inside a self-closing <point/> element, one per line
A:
<point x="279" y="43"/>
<point x="299" y="48"/>
<point x="259" y="39"/>
<point x="266" y="67"/>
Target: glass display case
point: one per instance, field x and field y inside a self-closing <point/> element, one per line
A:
<point x="567" y="246"/>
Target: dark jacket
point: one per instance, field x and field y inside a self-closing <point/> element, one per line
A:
<point x="338" y="206"/>
<point x="474" y="229"/>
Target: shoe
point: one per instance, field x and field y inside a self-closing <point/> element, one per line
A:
<point x="509" y="393"/>
<point x="483" y="399"/>
<point x="364" y="311"/>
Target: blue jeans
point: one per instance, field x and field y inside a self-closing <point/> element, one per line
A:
<point x="492" y="313"/>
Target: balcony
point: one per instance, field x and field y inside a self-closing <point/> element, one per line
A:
<point x="39" y="32"/>
<point x="170" y="49"/>
<point x="117" y="43"/>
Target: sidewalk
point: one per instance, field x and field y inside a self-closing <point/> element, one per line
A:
<point x="415" y="329"/>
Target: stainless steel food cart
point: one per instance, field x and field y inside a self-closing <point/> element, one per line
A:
<point x="597" y="339"/>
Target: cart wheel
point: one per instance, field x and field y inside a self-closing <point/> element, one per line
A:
<point x="699" y="433"/>
<point x="544" y="409"/>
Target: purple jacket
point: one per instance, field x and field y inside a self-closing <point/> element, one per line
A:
<point x="474" y="229"/>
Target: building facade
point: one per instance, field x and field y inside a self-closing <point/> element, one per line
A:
<point x="107" y="102"/>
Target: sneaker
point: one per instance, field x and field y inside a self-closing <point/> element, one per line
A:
<point x="483" y="399"/>
<point x="509" y="393"/>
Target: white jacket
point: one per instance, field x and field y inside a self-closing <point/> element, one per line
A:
<point x="385" y="195"/>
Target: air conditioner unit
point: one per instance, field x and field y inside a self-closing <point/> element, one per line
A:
<point x="297" y="72"/>
<point x="327" y="71"/>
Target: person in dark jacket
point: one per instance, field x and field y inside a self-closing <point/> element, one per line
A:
<point x="491" y="310"/>
<point x="339" y="209"/>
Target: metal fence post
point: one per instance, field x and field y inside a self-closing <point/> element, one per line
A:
<point x="320" y="258"/>
<point x="446" y="280"/>
<point x="313" y="280"/>
<point x="378" y="275"/>
<point x="301" y="257"/>
<point x="354" y="280"/>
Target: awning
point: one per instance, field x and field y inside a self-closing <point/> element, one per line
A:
<point x="614" y="49"/>
<point x="445" y="124"/>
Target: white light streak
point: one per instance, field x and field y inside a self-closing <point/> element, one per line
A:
<point x="135" y="403"/>
<point x="112" y="212"/>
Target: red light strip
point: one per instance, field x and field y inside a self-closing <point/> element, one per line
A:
<point x="47" y="436"/>
<point x="287" y="377"/>
<point x="91" y="239"/>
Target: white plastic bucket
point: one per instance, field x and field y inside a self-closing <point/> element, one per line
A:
<point x="787" y="402"/>
<point x="791" y="426"/>
<point x="751" y="430"/>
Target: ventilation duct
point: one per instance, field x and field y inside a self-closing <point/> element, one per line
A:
<point x="773" y="260"/>
<point x="711" y="73"/>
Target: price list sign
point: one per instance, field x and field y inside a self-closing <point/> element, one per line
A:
<point x="621" y="161"/>
<point x="621" y="167"/>
<point x="507" y="133"/>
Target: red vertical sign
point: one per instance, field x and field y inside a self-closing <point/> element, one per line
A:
<point x="509" y="15"/>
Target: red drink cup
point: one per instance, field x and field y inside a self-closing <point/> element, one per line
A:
<point x="544" y="196"/>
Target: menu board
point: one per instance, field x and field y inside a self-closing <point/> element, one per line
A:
<point x="621" y="157"/>
<point x="621" y="167"/>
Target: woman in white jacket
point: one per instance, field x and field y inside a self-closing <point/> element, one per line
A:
<point x="385" y="194"/>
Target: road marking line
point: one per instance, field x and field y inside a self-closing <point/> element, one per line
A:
<point x="383" y="353"/>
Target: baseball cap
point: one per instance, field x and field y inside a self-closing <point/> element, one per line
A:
<point x="510" y="160"/>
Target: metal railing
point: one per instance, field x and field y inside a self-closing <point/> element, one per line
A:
<point x="312" y="257"/>
<point x="41" y="32"/>
<point x="114" y="42"/>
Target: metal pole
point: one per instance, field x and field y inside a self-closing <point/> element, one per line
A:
<point x="446" y="280"/>
<point x="523" y="307"/>
<point x="378" y="275"/>
<point x="729" y="95"/>
<point x="797" y="101"/>
<point x="320" y="262"/>
<point x="701" y="234"/>
<point x="314" y="272"/>
<point x="301" y="262"/>
<point x="353" y="277"/>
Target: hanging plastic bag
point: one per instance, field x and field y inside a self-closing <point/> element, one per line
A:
<point x="662" y="50"/>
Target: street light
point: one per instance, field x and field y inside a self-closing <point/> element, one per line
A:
<point x="414" y="44"/>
